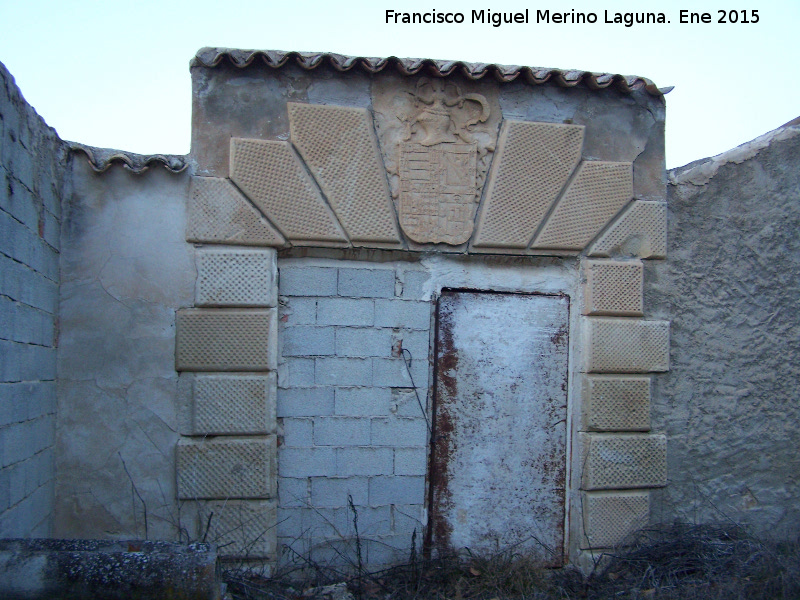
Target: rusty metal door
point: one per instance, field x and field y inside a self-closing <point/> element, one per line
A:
<point x="498" y="453"/>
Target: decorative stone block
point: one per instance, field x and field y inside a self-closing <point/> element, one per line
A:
<point x="219" y="213"/>
<point x="598" y="191"/>
<point x="611" y="517"/>
<point x="613" y="288"/>
<point x="227" y="277"/>
<point x="640" y="231"/>
<point x="272" y="176"/>
<point x="627" y="345"/>
<point x="623" y="461"/>
<point x="233" y="404"/>
<point x="242" y="529"/>
<point x="231" y="339"/>
<point x="533" y="162"/>
<point x="339" y="146"/>
<point x="225" y="468"/>
<point x="617" y="403"/>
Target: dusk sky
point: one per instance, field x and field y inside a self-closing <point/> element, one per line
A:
<point x="117" y="74"/>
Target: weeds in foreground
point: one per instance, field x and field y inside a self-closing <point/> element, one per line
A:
<point x="676" y="562"/>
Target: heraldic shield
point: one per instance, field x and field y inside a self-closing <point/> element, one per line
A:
<point x="437" y="191"/>
<point x="439" y="164"/>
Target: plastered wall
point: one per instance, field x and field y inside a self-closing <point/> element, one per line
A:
<point x="729" y="404"/>
<point x="32" y="165"/>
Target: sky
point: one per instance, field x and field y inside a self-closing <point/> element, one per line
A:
<point x="116" y="74"/>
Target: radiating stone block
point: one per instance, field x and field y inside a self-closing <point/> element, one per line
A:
<point x="223" y="468"/>
<point x="533" y="162"/>
<point x="242" y="529"/>
<point x="640" y="231"/>
<point x="233" y="404"/>
<point x="219" y="213"/>
<point x="617" y="403"/>
<point x="339" y="146"/>
<point x="597" y="192"/>
<point x="613" y="288"/>
<point x="231" y="339"/>
<point x="272" y="176"/>
<point x="609" y="518"/>
<point x="236" y="277"/>
<point x="626" y="345"/>
<point x="612" y="461"/>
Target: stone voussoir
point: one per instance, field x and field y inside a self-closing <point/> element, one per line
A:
<point x="228" y="339"/>
<point x="623" y="461"/>
<point x="226" y="468"/>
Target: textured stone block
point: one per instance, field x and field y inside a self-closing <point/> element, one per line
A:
<point x="617" y="403"/>
<point x="242" y="529"/>
<point x="227" y="468"/>
<point x="533" y="162"/>
<point x="308" y="281"/>
<point x="640" y="231"/>
<point x="623" y="461"/>
<point x="611" y="517"/>
<point x="308" y="341"/>
<point x="219" y="213"/>
<point x="243" y="277"/>
<point x="225" y="339"/>
<point x="627" y="345"/>
<point x="613" y="288"/>
<point x="366" y="283"/>
<point x="339" y="146"/>
<point x="597" y="192"/>
<point x="234" y="404"/>
<point x="272" y="176"/>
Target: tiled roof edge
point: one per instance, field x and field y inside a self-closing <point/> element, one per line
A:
<point x="211" y="57"/>
<point x="101" y="159"/>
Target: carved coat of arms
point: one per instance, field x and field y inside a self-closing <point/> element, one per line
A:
<point x="441" y="163"/>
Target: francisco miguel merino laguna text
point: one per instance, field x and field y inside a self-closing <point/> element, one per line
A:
<point x="542" y="16"/>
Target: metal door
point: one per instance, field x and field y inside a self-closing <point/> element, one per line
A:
<point x="498" y="462"/>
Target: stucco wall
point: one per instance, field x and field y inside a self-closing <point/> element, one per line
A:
<point x="125" y="270"/>
<point x="730" y="402"/>
<point x="32" y="165"/>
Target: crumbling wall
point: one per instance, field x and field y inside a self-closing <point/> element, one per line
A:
<point x="729" y="404"/>
<point x="32" y="166"/>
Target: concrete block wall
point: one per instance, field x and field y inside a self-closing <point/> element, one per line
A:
<point x="32" y="166"/>
<point x="353" y="426"/>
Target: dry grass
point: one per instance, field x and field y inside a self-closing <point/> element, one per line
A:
<point x="676" y="562"/>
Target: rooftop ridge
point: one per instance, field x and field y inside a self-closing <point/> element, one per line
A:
<point x="276" y="59"/>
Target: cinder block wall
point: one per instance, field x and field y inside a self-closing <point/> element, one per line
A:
<point x="352" y="425"/>
<point x="32" y="167"/>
